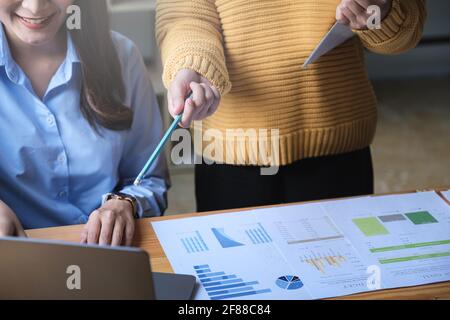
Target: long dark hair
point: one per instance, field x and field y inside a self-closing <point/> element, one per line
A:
<point x="103" y="90"/>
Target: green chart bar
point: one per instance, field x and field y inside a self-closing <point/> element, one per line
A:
<point x="421" y="217"/>
<point x="419" y="257"/>
<point x="370" y="226"/>
<point x="410" y="246"/>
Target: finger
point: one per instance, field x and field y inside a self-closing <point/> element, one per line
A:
<point x="84" y="234"/>
<point x="108" y="221"/>
<point x="5" y="230"/>
<point x="348" y="14"/>
<point x="118" y="233"/>
<point x="129" y="232"/>
<point x="198" y="95"/>
<point x="188" y="114"/>
<point x="340" y="17"/>
<point x="209" y="98"/>
<point x="94" y="226"/>
<point x="359" y="13"/>
<point x="177" y="93"/>
<point x="21" y="233"/>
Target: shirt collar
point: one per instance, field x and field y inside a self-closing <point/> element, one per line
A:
<point x="72" y="54"/>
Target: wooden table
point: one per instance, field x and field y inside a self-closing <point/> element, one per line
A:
<point x="146" y="239"/>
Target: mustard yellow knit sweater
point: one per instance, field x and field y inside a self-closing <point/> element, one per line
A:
<point x="253" y="50"/>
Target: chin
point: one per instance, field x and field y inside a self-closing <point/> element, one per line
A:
<point x="36" y="40"/>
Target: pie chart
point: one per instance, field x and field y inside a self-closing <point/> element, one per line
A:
<point x="289" y="282"/>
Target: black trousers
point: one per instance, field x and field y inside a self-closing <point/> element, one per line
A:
<point x="221" y="187"/>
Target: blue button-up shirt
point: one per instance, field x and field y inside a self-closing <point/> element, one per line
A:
<point x="54" y="168"/>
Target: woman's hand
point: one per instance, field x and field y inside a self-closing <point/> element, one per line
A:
<point x="205" y="97"/>
<point x="10" y="225"/>
<point x="112" y="224"/>
<point x="353" y="13"/>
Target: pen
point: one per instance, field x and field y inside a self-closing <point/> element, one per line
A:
<point x="160" y="147"/>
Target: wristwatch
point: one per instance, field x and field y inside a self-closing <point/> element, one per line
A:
<point x="123" y="196"/>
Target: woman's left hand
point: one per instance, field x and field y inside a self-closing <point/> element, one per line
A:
<point x="353" y="13"/>
<point x="112" y="224"/>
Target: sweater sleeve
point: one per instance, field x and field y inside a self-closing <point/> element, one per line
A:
<point x="400" y="31"/>
<point x="190" y="36"/>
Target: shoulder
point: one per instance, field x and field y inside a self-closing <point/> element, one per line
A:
<point x="128" y="53"/>
<point x="134" y="71"/>
<point x="124" y="45"/>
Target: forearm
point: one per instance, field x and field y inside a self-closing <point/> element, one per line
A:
<point x="190" y="37"/>
<point x="151" y="196"/>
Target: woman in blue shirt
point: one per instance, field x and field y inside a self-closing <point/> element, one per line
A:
<point x="78" y="120"/>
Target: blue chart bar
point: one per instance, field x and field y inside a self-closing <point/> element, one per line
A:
<point x="203" y="271"/>
<point x="219" y="278"/>
<point x="205" y="266"/>
<point x="221" y="286"/>
<point x="211" y="274"/>
<point x="194" y="243"/>
<point x="258" y="235"/>
<point x="218" y="283"/>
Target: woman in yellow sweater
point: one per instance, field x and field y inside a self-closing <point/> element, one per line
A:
<point x="242" y="61"/>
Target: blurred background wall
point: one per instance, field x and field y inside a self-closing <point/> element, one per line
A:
<point x="412" y="145"/>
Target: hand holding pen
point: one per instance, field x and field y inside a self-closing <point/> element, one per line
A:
<point x="201" y="102"/>
<point x="205" y="97"/>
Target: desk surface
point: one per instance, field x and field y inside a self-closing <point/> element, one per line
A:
<point x="146" y="239"/>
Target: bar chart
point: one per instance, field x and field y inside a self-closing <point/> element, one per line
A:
<point x="220" y="285"/>
<point x="258" y="234"/>
<point x="193" y="242"/>
<point x="322" y="261"/>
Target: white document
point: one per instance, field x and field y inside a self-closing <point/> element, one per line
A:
<point x="337" y="35"/>
<point x="315" y="250"/>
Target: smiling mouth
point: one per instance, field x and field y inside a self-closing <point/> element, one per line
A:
<point x="35" y="21"/>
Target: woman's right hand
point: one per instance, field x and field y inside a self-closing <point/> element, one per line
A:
<point x="10" y="225"/>
<point x="205" y="97"/>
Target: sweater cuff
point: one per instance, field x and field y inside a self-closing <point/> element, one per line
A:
<point x="217" y="75"/>
<point x="390" y="27"/>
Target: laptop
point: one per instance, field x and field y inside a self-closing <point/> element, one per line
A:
<point x="33" y="269"/>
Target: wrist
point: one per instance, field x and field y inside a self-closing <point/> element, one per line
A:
<point x="125" y="199"/>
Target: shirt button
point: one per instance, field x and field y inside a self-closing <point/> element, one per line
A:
<point x="62" y="194"/>
<point x="51" y="120"/>
<point x="61" y="159"/>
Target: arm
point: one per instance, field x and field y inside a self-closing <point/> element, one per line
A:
<point x="113" y="223"/>
<point x="142" y="139"/>
<point x="190" y="37"/>
<point x="401" y="27"/>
